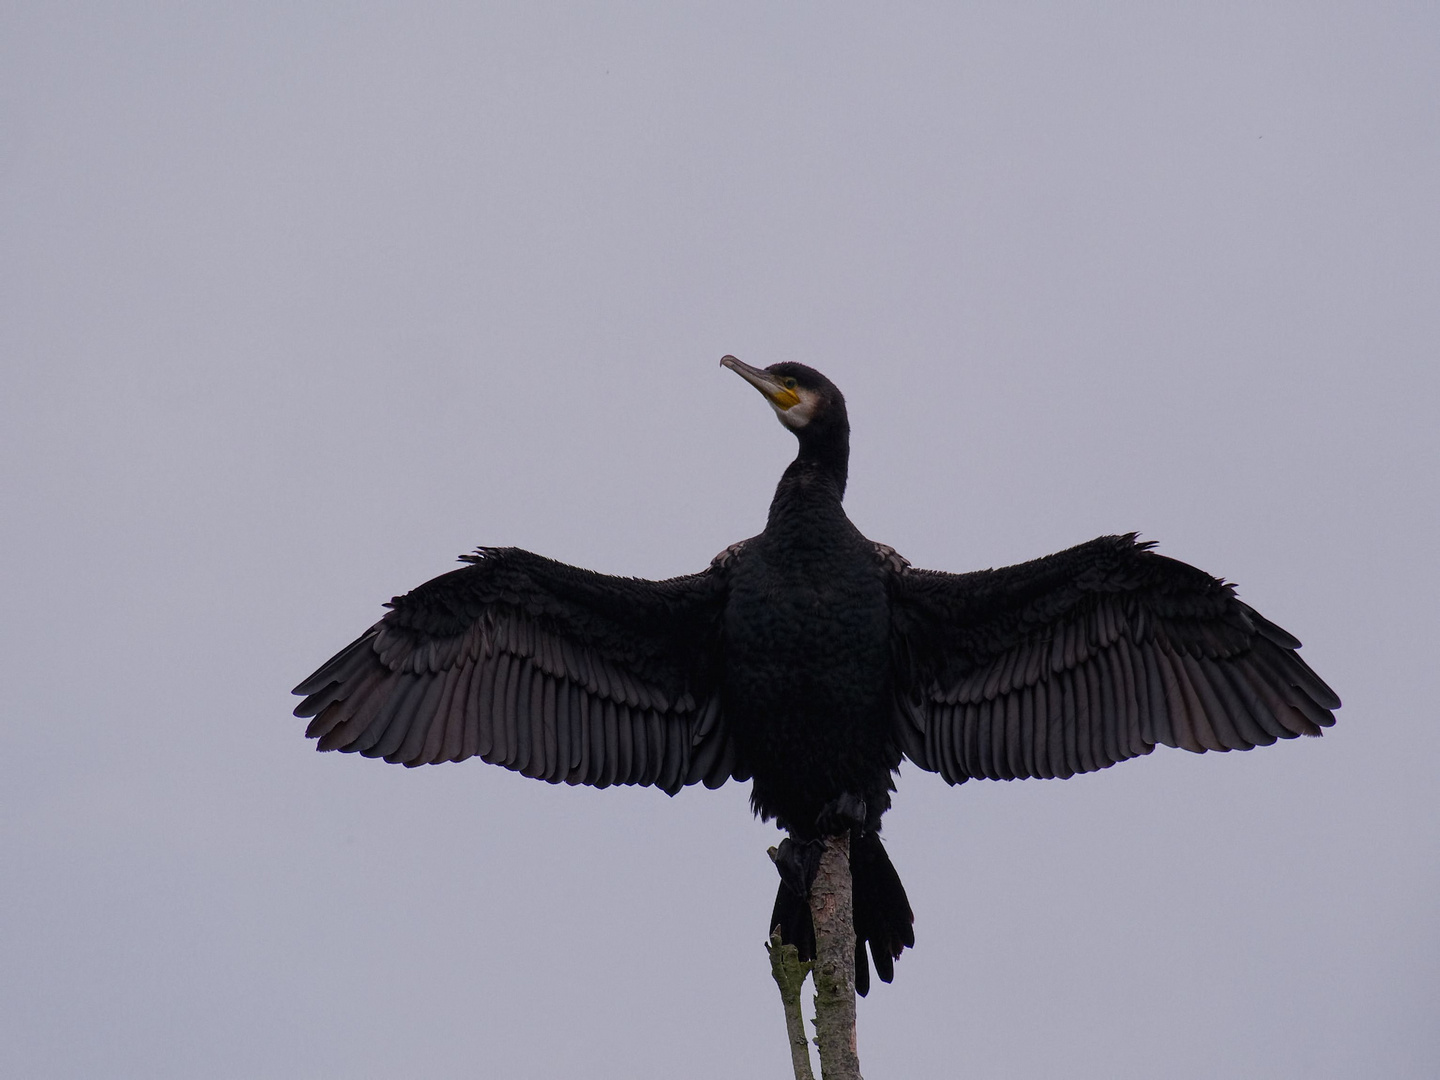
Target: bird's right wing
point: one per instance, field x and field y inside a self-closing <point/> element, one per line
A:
<point x="1073" y="662"/>
<point x="555" y="672"/>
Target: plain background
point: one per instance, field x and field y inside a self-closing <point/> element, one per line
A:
<point x="298" y="303"/>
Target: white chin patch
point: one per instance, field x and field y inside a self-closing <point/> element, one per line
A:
<point x="799" y="414"/>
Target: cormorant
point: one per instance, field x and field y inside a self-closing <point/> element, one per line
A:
<point x="810" y="660"/>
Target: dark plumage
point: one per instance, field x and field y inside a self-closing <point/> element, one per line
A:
<point x="811" y="660"/>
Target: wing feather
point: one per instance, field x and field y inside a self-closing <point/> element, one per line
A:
<point x="393" y="723"/>
<point x="705" y="754"/>
<point x="1165" y="730"/>
<point x="1039" y="705"/>
<point x="479" y="732"/>
<point x="624" y="743"/>
<point x="527" y="722"/>
<point x="557" y="704"/>
<point x="584" y="736"/>
<point x="1223" y="722"/>
<point x="453" y="739"/>
<point x="500" y="719"/>
<point x="985" y="734"/>
<point x="1200" y="720"/>
<point x="726" y="766"/>
<point x="672" y="772"/>
<point x="943" y="743"/>
<point x="1061" y="734"/>
<point x="1177" y="702"/>
<point x="1113" y="715"/>
<point x="1078" y="693"/>
<point x="429" y="749"/>
<point x="1029" y="763"/>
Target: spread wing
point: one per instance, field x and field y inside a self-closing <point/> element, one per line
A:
<point x="1073" y="662"/>
<point x="552" y="671"/>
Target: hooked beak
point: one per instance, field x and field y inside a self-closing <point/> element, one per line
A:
<point x="776" y="392"/>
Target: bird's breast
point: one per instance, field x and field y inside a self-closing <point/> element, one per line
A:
<point x="807" y="637"/>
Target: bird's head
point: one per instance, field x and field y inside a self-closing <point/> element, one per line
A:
<point x="813" y="408"/>
<point x="805" y="401"/>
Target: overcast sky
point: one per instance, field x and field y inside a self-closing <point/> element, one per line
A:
<point x="299" y="303"/>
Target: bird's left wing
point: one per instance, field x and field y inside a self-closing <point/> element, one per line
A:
<point x="555" y="672"/>
<point x="1073" y="662"/>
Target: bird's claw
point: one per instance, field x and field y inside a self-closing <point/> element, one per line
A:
<point x="798" y="862"/>
<point x="842" y="814"/>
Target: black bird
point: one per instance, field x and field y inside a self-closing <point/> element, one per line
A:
<point x="811" y="660"/>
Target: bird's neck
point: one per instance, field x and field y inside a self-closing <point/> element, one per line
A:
<point x="812" y="488"/>
<point x="824" y="456"/>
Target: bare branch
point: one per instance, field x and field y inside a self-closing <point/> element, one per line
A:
<point x="832" y="909"/>
<point x="790" y="971"/>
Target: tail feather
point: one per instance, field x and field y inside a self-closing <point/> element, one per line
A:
<point x="883" y="918"/>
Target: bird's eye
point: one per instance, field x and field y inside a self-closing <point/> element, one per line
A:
<point x="789" y="384"/>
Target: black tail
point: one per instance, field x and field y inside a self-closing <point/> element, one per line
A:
<point x="882" y="912"/>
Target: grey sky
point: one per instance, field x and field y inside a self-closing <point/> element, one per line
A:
<point x="298" y="305"/>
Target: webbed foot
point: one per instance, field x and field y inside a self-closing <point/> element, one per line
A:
<point x="798" y="862"/>
<point x="845" y="813"/>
